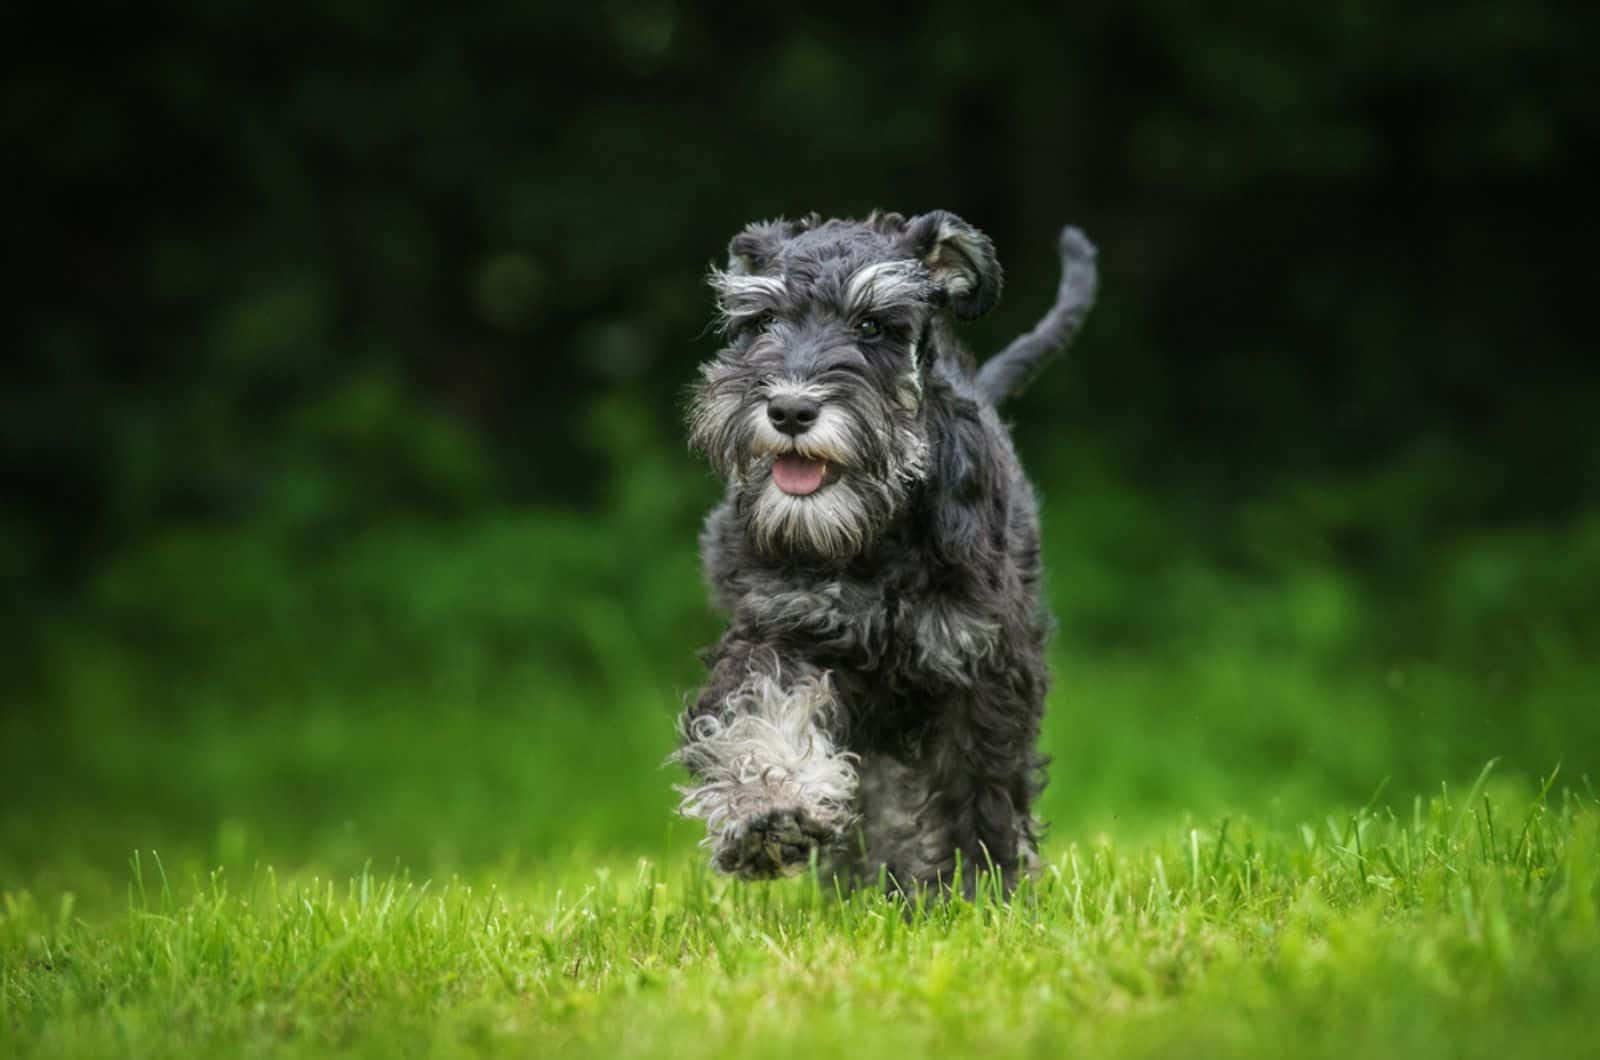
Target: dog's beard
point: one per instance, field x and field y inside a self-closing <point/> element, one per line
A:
<point x="873" y="455"/>
<point x="837" y="522"/>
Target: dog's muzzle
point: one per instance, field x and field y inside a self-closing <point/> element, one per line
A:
<point x="796" y="470"/>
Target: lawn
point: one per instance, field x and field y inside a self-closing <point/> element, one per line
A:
<point x="260" y="800"/>
<point x="1466" y="927"/>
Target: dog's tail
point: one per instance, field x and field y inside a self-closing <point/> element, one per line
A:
<point x="1013" y="367"/>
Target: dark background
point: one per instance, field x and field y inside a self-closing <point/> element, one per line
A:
<point x="348" y="349"/>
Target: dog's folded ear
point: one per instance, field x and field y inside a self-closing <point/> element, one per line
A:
<point x="753" y="251"/>
<point x="960" y="258"/>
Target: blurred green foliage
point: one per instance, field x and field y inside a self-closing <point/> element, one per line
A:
<point x="319" y="266"/>
<point x="500" y="690"/>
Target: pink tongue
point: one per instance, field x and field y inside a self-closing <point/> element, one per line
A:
<point x="797" y="475"/>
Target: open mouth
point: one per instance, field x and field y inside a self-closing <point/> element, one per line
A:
<point x="799" y="475"/>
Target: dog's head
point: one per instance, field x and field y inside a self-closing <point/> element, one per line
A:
<point x="814" y="408"/>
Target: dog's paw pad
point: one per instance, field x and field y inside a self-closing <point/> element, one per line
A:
<point x="776" y="843"/>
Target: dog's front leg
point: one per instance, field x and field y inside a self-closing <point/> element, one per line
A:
<point x="761" y="746"/>
<point x="986" y="774"/>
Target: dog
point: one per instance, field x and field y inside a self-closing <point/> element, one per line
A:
<point x="875" y="701"/>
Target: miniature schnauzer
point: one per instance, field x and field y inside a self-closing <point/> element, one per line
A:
<point x="875" y="701"/>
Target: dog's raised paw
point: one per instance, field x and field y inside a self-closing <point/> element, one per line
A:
<point x="775" y="843"/>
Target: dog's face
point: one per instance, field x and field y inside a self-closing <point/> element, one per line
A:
<point x="814" y="408"/>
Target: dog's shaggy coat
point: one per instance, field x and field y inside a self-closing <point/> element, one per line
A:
<point x="877" y="695"/>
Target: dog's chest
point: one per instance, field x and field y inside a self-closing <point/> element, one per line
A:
<point x="905" y="637"/>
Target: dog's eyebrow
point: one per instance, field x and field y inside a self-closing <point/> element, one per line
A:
<point x="741" y="296"/>
<point x="885" y="285"/>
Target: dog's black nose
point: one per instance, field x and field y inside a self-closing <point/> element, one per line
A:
<point x="793" y="414"/>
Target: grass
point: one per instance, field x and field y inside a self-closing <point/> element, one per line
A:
<point x="1460" y="928"/>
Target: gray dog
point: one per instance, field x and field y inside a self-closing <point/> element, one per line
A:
<point x="877" y="696"/>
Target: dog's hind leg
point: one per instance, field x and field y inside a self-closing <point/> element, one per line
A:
<point x="761" y="745"/>
<point x="897" y="841"/>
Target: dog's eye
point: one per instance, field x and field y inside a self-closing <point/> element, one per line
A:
<point x="869" y="328"/>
